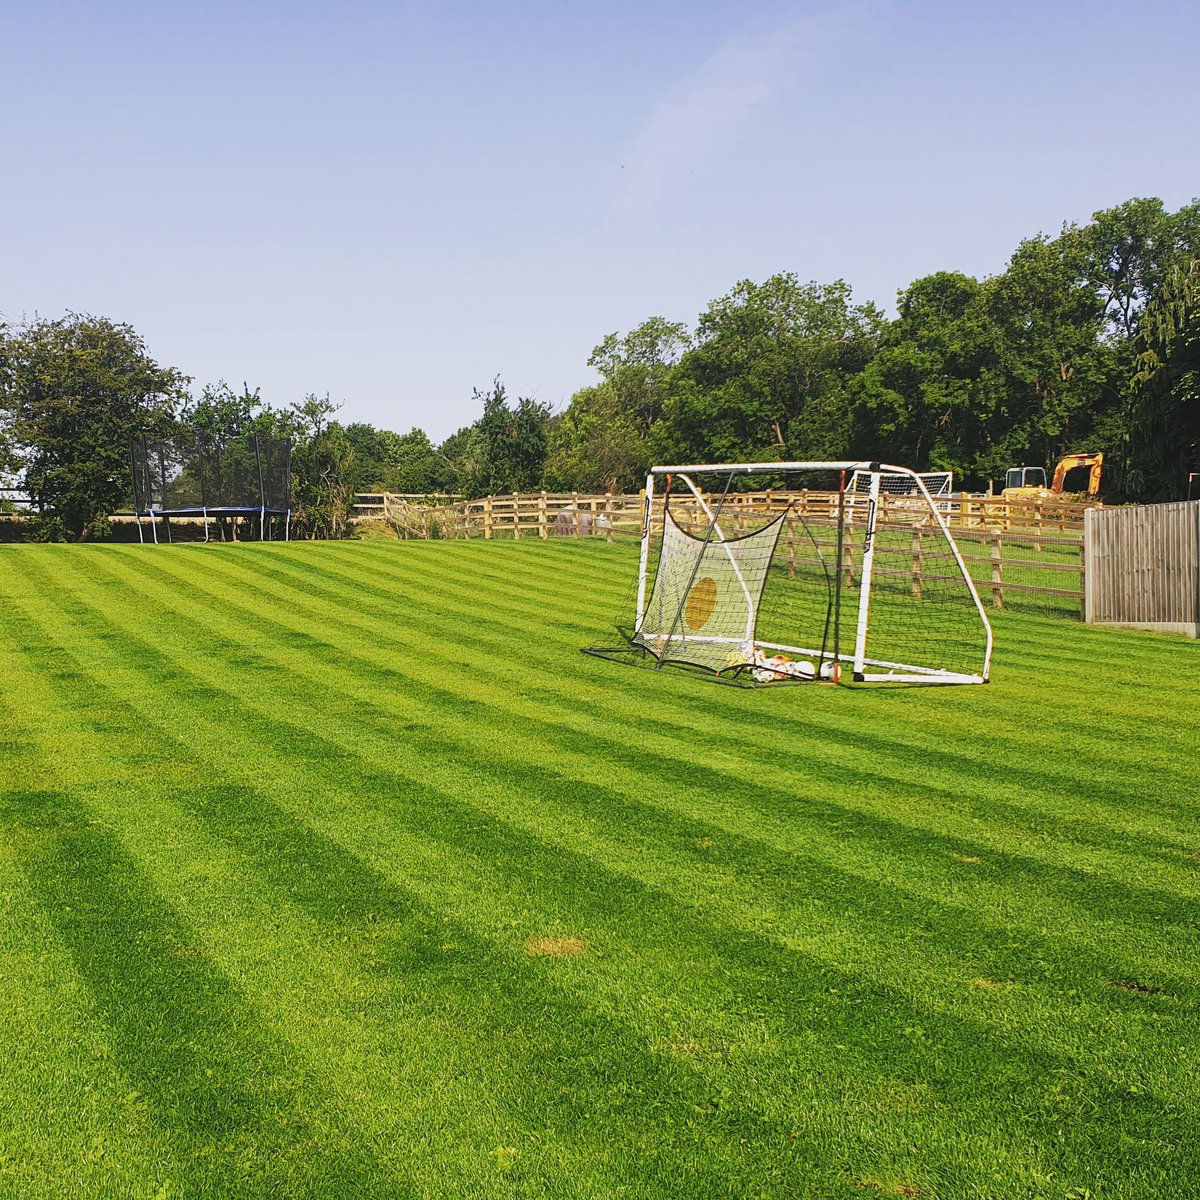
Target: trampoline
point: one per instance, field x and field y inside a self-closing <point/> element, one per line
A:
<point x="245" y="480"/>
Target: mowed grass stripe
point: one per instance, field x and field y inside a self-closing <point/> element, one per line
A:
<point x="973" y="845"/>
<point x="1069" y="880"/>
<point x="1018" y="732"/>
<point x="1015" y="732"/>
<point x="194" y="862"/>
<point x="886" y="748"/>
<point x="206" y="1080"/>
<point x="84" y="1128"/>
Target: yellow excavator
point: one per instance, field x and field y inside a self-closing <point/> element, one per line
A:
<point x="1030" y="482"/>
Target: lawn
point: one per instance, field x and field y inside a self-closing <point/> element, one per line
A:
<point x="335" y="870"/>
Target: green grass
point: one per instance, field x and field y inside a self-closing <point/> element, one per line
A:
<point x="281" y="828"/>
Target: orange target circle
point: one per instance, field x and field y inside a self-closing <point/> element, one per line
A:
<point x="701" y="603"/>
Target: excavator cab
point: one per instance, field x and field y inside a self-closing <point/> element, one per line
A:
<point x="1023" y="483"/>
<point x="1025" y="477"/>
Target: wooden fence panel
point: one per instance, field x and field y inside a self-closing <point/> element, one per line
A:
<point x="1142" y="567"/>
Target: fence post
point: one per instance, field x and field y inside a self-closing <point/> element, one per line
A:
<point x="1037" y="525"/>
<point x="487" y="519"/>
<point x="791" y="545"/>
<point x="516" y="515"/>
<point x="541" y="515"/>
<point x="997" y="571"/>
<point x="608" y="517"/>
<point x="916" y="568"/>
<point x="1083" y="597"/>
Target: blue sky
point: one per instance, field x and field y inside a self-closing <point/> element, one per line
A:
<point x="394" y="203"/>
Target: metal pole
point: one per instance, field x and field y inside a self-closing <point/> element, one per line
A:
<point x="837" y="578"/>
<point x="864" y="587"/>
<point x="645" y="556"/>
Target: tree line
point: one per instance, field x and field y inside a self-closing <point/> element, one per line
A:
<point x="1087" y="341"/>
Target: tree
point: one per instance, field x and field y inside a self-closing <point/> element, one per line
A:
<point x="221" y="416"/>
<point x="602" y="442"/>
<point x="370" y="455"/>
<point x="1054" y="370"/>
<point x="322" y="458"/>
<point x="638" y="367"/>
<point x="768" y="374"/>
<point x="9" y="461"/>
<point x="1129" y="251"/>
<point x="76" y="389"/>
<point x="504" y="451"/>
<point x="925" y="399"/>
<point x="1164" y="413"/>
<point x="596" y="445"/>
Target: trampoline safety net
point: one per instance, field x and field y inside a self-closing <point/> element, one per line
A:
<point x="247" y="478"/>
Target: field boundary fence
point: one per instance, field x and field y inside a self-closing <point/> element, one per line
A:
<point x="1024" y="553"/>
<point x="1143" y="567"/>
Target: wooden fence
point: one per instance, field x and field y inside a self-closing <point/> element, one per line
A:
<point x="1143" y="567"/>
<point x="1025" y="552"/>
<point x="535" y="513"/>
<point x="1017" y="567"/>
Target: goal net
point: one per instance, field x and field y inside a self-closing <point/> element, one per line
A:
<point x="937" y="483"/>
<point x="802" y="579"/>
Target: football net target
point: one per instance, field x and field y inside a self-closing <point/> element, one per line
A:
<point x="807" y="578"/>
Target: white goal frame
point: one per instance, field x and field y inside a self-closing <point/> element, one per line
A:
<point x="865" y="668"/>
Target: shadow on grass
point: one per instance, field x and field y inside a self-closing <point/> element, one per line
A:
<point x="749" y="977"/>
<point x="553" y="1061"/>
<point x="882" y="1035"/>
<point x="215" y="1080"/>
<point x="871" y="746"/>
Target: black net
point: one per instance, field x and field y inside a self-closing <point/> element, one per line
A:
<point x="185" y="473"/>
<point x="243" y="482"/>
<point x="158" y="470"/>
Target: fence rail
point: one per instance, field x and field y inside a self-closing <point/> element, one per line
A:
<point x="531" y="512"/>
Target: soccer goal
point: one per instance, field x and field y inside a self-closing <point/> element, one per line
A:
<point x="802" y="579"/>
<point x="939" y="485"/>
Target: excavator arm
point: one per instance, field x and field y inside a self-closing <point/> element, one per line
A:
<point x="1070" y="461"/>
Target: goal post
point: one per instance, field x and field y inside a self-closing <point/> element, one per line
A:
<point x="762" y="573"/>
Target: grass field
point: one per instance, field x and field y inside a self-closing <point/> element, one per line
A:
<point x="337" y="871"/>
